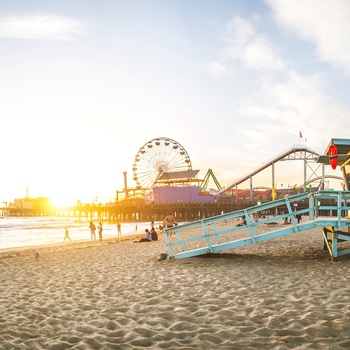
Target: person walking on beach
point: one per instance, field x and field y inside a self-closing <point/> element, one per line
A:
<point x="119" y="228"/>
<point x="169" y="221"/>
<point x="92" y="228"/>
<point x="100" y="229"/>
<point x="66" y="235"/>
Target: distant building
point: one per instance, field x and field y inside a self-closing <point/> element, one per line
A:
<point x="22" y="203"/>
<point x="40" y="203"/>
<point x="181" y="187"/>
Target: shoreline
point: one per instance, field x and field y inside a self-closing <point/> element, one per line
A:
<point x="19" y="234"/>
<point x="67" y="245"/>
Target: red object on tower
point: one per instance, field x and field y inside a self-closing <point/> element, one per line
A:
<point x="333" y="156"/>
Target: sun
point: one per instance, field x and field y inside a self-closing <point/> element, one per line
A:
<point x="62" y="201"/>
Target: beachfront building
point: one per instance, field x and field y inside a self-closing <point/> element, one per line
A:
<point x="182" y="187"/>
<point x="30" y="206"/>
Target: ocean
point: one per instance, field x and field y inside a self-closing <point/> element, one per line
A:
<point x="31" y="231"/>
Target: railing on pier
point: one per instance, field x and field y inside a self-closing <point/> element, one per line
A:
<point x="210" y="235"/>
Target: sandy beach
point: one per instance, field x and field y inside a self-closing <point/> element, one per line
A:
<point x="115" y="294"/>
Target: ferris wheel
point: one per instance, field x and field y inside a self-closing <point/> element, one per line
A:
<point x="157" y="156"/>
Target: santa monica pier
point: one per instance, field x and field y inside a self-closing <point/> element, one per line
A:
<point x="166" y="181"/>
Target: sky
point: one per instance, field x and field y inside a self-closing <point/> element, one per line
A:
<point x="84" y="85"/>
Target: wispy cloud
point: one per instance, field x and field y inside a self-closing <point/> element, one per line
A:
<point x="297" y="103"/>
<point x="41" y="27"/>
<point x="326" y="23"/>
<point x="244" y="45"/>
<point x="238" y="31"/>
<point x="257" y="55"/>
<point x="217" y="69"/>
<point x="281" y="100"/>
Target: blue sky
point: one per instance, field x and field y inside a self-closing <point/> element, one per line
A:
<point x="85" y="84"/>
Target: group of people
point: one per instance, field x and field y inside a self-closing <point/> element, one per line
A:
<point x="92" y="228"/>
<point x="149" y="236"/>
<point x="168" y="222"/>
<point x="287" y="220"/>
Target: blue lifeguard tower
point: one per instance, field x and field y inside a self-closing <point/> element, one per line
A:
<point x="328" y="210"/>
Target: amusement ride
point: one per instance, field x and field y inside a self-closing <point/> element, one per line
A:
<point x="164" y="161"/>
<point x="157" y="156"/>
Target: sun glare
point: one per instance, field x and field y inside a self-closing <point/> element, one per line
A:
<point x="62" y="201"/>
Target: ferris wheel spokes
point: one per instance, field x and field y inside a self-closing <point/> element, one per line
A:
<point x="157" y="156"/>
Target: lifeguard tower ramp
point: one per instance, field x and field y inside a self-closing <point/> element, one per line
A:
<point x="325" y="209"/>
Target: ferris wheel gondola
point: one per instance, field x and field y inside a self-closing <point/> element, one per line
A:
<point x="157" y="156"/>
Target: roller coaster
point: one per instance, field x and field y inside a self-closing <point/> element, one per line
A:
<point x="302" y="153"/>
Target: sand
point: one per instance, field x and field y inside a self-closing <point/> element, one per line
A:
<point x="280" y="294"/>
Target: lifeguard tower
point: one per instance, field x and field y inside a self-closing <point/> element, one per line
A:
<point x="337" y="154"/>
<point x="328" y="210"/>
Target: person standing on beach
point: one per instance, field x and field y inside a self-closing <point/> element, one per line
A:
<point x="100" y="229"/>
<point x="119" y="228"/>
<point x="92" y="228"/>
<point x="169" y="221"/>
<point x="298" y="217"/>
<point x="66" y="235"/>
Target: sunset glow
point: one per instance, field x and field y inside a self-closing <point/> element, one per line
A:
<point x="84" y="87"/>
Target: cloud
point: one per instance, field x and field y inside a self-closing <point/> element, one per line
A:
<point x="279" y="104"/>
<point x="258" y="55"/>
<point x="298" y="103"/>
<point x="217" y="69"/>
<point x="253" y="50"/>
<point x="326" y="23"/>
<point x="243" y="44"/>
<point x="238" y="31"/>
<point x="41" y="27"/>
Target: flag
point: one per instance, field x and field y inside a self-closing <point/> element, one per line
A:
<point x="300" y="135"/>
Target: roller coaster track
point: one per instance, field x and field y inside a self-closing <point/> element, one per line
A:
<point x="294" y="153"/>
<point x="314" y="179"/>
<point x="320" y="178"/>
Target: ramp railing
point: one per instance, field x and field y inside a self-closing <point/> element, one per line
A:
<point x="263" y="222"/>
